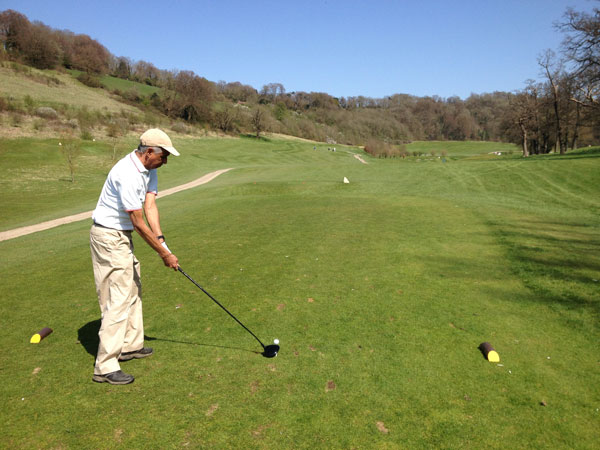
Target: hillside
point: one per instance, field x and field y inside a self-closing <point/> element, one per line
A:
<point x="558" y="113"/>
<point x="55" y="89"/>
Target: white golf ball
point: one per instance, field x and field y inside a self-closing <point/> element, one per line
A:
<point x="276" y="341"/>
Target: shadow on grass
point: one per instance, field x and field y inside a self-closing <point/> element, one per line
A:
<point x="88" y="337"/>
<point x="555" y="261"/>
<point x="593" y="152"/>
<point x="253" y="136"/>
<point x="150" y="338"/>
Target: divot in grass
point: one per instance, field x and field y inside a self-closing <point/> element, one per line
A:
<point x="259" y="431"/>
<point x="117" y="434"/>
<point x="381" y="427"/>
<point x="212" y="409"/>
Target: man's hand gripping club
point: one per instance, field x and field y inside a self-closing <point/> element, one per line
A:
<point x="139" y="225"/>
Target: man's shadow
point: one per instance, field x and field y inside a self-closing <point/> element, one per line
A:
<point x="88" y="338"/>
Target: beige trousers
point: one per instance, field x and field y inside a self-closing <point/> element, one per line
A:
<point x="119" y="289"/>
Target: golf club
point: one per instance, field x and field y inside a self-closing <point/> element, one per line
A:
<point x="269" y="351"/>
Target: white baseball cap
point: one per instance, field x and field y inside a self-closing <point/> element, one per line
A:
<point x="158" y="138"/>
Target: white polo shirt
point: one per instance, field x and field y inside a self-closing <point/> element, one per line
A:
<point x="124" y="191"/>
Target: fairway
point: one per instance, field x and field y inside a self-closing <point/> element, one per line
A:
<point x="379" y="291"/>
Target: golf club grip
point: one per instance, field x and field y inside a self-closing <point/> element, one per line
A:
<point x="222" y="307"/>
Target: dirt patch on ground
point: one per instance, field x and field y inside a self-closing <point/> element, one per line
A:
<point x="287" y="137"/>
<point x="360" y="159"/>
<point x="381" y="427"/>
<point x="17" y="232"/>
<point x="212" y="409"/>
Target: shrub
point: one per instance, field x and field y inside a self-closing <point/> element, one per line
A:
<point x="180" y="127"/>
<point x="86" y="118"/>
<point x="131" y="96"/>
<point x="28" y="100"/>
<point x="89" y="80"/>
<point x="383" y="149"/>
<point x="20" y="68"/>
<point x="39" y="124"/>
<point x="117" y="127"/>
<point x="50" y="80"/>
<point x="86" y="135"/>
<point x="151" y="119"/>
<point x="46" y="112"/>
<point x="374" y="147"/>
<point x="16" y="119"/>
<point x="132" y="119"/>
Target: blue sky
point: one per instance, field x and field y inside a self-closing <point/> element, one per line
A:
<point x="344" y="48"/>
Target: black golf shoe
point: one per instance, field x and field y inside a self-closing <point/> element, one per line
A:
<point x="118" y="377"/>
<point x="141" y="353"/>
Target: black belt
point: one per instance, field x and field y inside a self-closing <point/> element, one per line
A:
<point x="109" y="228"/>
<point x="101" y="226"/>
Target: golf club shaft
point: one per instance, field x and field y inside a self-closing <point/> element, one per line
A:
<point x="216" y="301"/>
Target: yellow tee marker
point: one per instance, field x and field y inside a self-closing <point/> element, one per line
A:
<point x="37" y="337"/>
<point x="488" y="351"/>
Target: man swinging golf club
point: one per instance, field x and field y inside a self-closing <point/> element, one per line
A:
<point x="130" y="188"/>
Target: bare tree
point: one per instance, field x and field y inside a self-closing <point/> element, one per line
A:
<point x="581" y="47"/>
<point x="552" y="70"/>
<point x="14" y="28"/>
<point x="89" y="55"/>
<point x="271" y="91"/>
<point x="194" y="97"/>
<point x="145" y="72"/>
<point x="40" y="49"/>
<point x="258" y="121"/>
<point x="224" y="118"/>
<point x="524" y="116"/>
<point x="123" y="68"/>
<point x="71" y="151"/>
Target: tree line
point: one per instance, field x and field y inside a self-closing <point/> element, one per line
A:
<point x="558" y="112"/>
<point x="563" y="109"/>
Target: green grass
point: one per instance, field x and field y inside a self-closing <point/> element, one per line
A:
<point x="113" y="83"/>
<point x="380" y="292"/>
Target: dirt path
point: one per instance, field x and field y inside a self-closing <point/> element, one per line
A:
<point x="360" y="159"/>
<point x="17" y="232"/>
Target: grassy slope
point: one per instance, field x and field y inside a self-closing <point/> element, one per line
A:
<point x="380" y="292"/>
<point x="70" y="91"/>
<point x="111" y="83"/>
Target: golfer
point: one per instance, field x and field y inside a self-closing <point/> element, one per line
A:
<point x="130" y="188"/>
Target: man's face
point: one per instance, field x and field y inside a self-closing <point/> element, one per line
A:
<point x="154" y="160"/>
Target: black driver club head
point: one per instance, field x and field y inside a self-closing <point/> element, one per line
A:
<point x="270" y="351"/>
